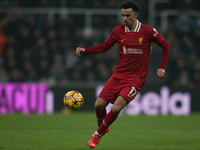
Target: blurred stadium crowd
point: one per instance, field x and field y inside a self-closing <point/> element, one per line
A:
<point x="39" y="48"/>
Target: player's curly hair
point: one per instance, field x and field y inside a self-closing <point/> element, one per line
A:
<point x="130" y="4"/>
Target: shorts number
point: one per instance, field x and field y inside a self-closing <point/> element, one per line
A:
<point x="133" y="91"/>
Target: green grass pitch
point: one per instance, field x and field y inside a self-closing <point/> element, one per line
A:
<point x="72" y="132"/>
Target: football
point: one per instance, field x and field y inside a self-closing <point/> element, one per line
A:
<point x="73" y="100"/>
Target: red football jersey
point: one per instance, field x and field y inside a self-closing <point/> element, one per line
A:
<point x="134" y="49"/>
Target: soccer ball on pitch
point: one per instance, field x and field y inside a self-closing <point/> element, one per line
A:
<point x="73" y="100"/>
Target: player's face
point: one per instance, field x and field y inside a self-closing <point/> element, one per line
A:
<point x="129" y="17"/>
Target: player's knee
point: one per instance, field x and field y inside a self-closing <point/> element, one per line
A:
<point x="116" y="109"/>
<point x="99" y="105"/>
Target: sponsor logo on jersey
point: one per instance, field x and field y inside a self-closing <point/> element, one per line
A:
<point x="132" y="50"/>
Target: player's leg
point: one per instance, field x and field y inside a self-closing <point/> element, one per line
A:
<point x="126" y="95"/>
<point x="119" y="104"/>
<point x="100" y="109"/>
<point x="107" y="95"/>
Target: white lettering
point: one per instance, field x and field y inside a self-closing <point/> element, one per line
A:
<point x="150" y="103"/>
<point x="132" y="51"/>
<point x="124" y="50"/>
<point x="183" y="100"/>
<point x="49" y="105"/>
<point x="164" y="93"/>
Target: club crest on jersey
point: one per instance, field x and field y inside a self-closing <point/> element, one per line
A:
<point x="140" y="41"/>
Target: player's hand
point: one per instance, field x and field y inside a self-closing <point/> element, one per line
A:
<point x="161" y="73"/>
<point x="80" y="51"/>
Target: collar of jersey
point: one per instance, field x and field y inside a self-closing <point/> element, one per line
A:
<point x="137" y="27"/>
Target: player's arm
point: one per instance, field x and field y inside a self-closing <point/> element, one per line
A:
<point x="165" y="54"/>
<point x="100" y="48"/>
<point x="96" y="49"/>
<point x="109" y="42"/>
<point x="161" y="73"/>
<point x="80" y="51"/>
<point x="157" y="38"/>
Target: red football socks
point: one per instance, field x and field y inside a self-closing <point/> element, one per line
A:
<point x="107" y="121"/>
<point x="100" y="114"/>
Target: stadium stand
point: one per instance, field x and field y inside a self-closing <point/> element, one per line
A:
<point x="39" y="47"/>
